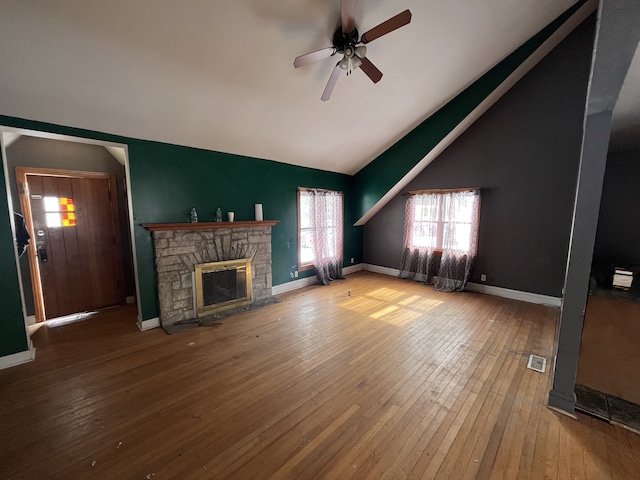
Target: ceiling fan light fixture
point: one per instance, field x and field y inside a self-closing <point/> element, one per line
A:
<point x="348" y="42"/>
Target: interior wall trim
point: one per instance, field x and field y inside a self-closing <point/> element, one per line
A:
<point x="294" y="285"/>
<point x="486" y="289"/>
<point x="148" y="324"/>
<point x="18" y="358"/>
<point x="352" y="269"/>
<point x="515" y="294"/>
<point x="305" y="282"/>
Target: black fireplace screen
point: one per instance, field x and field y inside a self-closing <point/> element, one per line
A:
<point x="224" y="285"/>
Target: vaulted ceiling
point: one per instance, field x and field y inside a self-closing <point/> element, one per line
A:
<point x="219" y="75"/>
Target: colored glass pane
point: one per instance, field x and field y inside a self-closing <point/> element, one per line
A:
<point x="60" y="212"/>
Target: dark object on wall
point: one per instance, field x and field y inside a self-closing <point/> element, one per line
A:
<point x="22" y="236"/>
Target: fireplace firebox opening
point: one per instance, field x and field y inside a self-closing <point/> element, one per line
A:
<point x="222" y="286"/>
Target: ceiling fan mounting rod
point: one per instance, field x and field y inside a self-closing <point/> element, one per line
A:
<point x="341" y="39"/>
<point x="347" y="41"/>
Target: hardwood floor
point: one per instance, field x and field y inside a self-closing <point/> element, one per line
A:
<point x="394" y="381"/>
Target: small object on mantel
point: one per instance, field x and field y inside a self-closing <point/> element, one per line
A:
<point x="622" y="278"/>
<point x="194" y="215"/>
<point x="218" y="215"/>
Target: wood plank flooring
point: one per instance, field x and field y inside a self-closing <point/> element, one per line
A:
<point x="395" y="381"/>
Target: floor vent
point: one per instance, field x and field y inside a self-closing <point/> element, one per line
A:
<point x="539" y="364"/>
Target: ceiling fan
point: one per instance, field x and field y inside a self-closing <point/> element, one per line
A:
<point x="347" y="41"/>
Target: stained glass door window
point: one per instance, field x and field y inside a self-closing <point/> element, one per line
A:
<point x="60" y="211"/>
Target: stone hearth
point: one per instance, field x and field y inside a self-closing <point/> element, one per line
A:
<point x="178" y="247"/>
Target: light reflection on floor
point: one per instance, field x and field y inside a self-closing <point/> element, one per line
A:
<point x="56" y="322"/>
<point x="405" y="308"/>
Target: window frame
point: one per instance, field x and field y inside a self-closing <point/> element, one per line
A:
<point x="440" y="222"/>
<point x="308" y="266"/>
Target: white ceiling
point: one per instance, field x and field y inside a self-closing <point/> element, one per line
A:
<point x="219" y="75"/>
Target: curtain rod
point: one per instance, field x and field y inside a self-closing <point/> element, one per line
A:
<point x="443" y="190"/>
<point x="307" y="189"/>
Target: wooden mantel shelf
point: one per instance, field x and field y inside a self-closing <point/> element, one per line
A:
<point x="165" y="227"/>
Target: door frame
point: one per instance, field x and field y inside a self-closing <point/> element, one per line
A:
<point x="120" y="151"/>
<point x="25" y="203"/>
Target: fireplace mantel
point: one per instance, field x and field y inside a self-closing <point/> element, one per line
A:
<point x="166" y="227"/>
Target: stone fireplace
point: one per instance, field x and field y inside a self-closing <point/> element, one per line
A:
<point x="180" y="247"/>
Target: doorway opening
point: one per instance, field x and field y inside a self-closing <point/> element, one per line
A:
<point x="81" y="254"/>
<point x="75" y="252"/>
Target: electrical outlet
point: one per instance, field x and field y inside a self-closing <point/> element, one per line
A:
<point x="352" y="260"/>
<point x="483" y="278"/>
<point x="295" y="274"/>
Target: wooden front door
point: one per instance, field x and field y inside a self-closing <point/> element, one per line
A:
<point x="75" y="248"/>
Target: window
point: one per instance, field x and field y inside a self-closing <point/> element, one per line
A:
<point x="442" y="220"/>
<point x="441" y="237"/>
<point x="60" y="212"/>
<point x="320" y="225"/>
<point x="305" y="233"/>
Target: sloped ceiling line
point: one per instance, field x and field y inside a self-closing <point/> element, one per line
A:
<point x="185" y="73"/>
<point x="376" y="184"/>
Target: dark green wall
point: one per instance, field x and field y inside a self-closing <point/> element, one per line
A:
<point x="13" y="338"/>
<point x="166" y="181"/>
<point x="379" y="176"/>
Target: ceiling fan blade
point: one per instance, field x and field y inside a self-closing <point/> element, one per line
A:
<point x="311" y="57"/>
<point x="387" y="26"/>
<point x="333" y="79"/>
<point x="348" y="13"/>
<point x="371" y="70"/>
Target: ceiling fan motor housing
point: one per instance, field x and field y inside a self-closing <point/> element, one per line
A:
<point x="341" y="40"/>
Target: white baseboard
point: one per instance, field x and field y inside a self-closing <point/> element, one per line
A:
<point x="295" y="285"/>
<point x="149" y="324"/>
<point x="130" y="300"/>
<point x="394" y="272"/>
<point x="18" y="358"/>
<point x="515" y="294"/>
<point x="31" y="319"/>
<point x="486" y="289"/>
<point x="352" y="269"/>
<point x="305" y="282"/>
